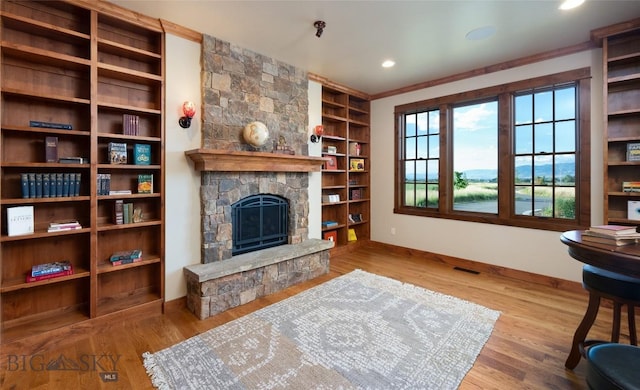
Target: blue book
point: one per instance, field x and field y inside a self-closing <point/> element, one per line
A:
<point x="38" y="185"/>
<point x="24" y="179"/>
<point x="46" y="192"/>
<point x="59" y="184"/>
<point x="32" y="185"/>
<point x="142" y="154"/>
<point x="65" y="184"/>
<point x="76" y="185"/>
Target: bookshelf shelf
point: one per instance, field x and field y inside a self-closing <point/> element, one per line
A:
<point x="345" y="117"/>
<point x="621" y="61"/>
<point x="81" y="65"/>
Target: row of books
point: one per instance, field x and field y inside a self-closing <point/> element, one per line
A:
<point x="612" y="235"/>
<point x="631" y="186"/>
<point x="124" y="213"/>
<point x="50" y="270"/>
<point x="126" y="257"/>
<point x="145" y="185"/>
<point x="63" y="226"/>
<point x="50" y="185"/>
<point x="118" y="153"/>
<point x="130" y="124"/>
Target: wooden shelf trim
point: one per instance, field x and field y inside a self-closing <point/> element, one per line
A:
<point x="241" y="161"/>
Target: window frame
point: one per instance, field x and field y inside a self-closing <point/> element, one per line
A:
<point x="506" y="180"/>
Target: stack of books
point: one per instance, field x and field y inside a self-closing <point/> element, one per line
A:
<point x="50" y="270"/>
<point x="64" y="225"/>
<point x="612" y="235"/>
<point x="126" y="257"/>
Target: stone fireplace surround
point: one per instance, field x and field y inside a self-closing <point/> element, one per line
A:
<point x="223" y="281"/>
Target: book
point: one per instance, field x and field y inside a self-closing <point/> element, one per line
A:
<point x="126" y="255"/>
<point x="51" y="149"/>
<point x="65" y="184"/>
<point x="141" y="154"/>
<point x="30" y="279"/>
<point x="119" y="192"/>
<point x="38" y="185"/>
<point x="330" y="236"/>
<point x="24" y="182"/>
<point x="356" y="193"/>
<point x="117" y="152"/>
<point x="46" y="186"/>
<point x="118" y="212"/>
<point x="614" y="230"/>
<point x="125" y="261"/>
<point x="72" y="160"/>
<point x="356" y="164"/>
<point x="59" y="184"/>
<point x="633" y="210"/>
<point x="145" y="183"/>
<point x="64" y="225"/>
<point x="126" y="212"/>
<point x="51" y="268"/>
<point x="32" y="185"/>
<point x="76" y="184"/>
<point x="633" y="151"/>
<point x="51" y="125"/>
<point x="631" y="186"/>
<point x="617" y="241"/>
<point x="130" y="124"/>
<point x="328" y="224"/>
<point x="20" y="220"/>
<point x="331" y="163"/>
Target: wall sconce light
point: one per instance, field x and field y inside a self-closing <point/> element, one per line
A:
<point x="189" y="110"/>
<point x="317" y="134"/>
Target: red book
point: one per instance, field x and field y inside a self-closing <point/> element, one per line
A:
<point x="126" y="261"/>
<point x="49" y="276"/>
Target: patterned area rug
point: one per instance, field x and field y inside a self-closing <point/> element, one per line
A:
<point x="357" y="331"/>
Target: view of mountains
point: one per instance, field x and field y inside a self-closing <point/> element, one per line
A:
<point x="522" y="171"/>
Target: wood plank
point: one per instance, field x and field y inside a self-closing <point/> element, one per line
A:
<point x="527" y="348"/>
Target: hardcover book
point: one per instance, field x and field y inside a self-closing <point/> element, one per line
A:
<point x="31" y="279"/>
<point x="142" y="154"/>
<point x="38" y="185"/>
<point x="118" y="212"/>
<point x="50" y="125"/>
<point x="50" y="268"/>
<point x="117" y="152"/>
<point x="633" y="151"/>
<point x="20" y="220"/>
<point x="24" y="181"/>
<point x="51" y="149"/>
<point x="356" y="164"/>
<point x="145" y="183"/>
<point x="126" y="255"/>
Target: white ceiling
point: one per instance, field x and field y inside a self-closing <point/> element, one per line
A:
<point x="425" y="38"/>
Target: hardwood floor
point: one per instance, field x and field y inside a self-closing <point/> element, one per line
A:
<point x="526" y="350"/>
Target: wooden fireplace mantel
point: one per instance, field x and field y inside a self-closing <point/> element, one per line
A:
<point x="242" y="161"/>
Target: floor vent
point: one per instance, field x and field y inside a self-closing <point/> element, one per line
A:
<point x="466" y="270"/>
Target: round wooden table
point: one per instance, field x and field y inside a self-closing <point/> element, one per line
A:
<point x="624" y="259"/>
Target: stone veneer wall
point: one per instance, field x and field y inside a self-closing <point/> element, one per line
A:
<point x="240" y="86"/>
<point x="222" y="189"/>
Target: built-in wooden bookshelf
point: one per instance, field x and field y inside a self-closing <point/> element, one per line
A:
<point x="621" y="64"/>
<point x="345" y="186"/>
<point x="68" y="63"/>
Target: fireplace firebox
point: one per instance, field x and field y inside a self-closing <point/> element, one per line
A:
<point x="259" y="221"/>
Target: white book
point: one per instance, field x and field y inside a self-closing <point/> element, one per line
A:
<point x="19" y="220"/>
<point x="633" y="211"/>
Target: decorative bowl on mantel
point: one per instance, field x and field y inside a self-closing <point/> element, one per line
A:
<point x="256" y="134"/>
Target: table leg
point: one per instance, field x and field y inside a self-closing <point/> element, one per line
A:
<point x="581" y="332"/>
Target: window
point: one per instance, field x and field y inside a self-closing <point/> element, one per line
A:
<point x="515" y="154"/>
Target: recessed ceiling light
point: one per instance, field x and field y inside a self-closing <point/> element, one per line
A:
<point x="570" y="4"/>
<point x="480" y="33"/>
<point x="388" y="63"/>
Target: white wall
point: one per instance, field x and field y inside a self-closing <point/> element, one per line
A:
<point x="315" y="178"/>
<point x="530" y="250"/>
<point x="182" y="186"/>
